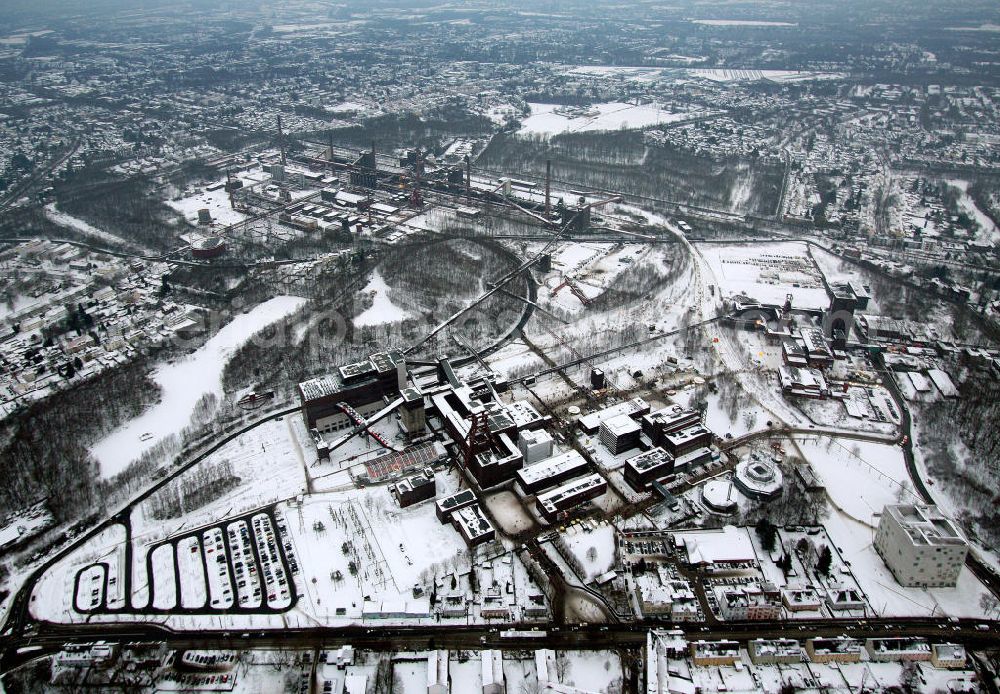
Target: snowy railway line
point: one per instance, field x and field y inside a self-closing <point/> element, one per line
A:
<point x="245" y="565"/>
<point x="378" y="384"/>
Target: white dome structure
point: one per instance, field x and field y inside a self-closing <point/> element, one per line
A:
<point x="758" y="477"/>
<point x="719" y="496"/>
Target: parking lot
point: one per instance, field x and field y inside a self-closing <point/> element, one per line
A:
<point x="273" y="571"/>
<point x="220" y="587"/>
<point x="99" y="585"/>
<point x="90" y="588"/>
<point x="242" y="565"/>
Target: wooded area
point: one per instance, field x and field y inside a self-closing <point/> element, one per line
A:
<point x="621" y="161"/>
<point x="974" y="418"/>
<point x="45" y="450"/>
<point x="429" y="280"/>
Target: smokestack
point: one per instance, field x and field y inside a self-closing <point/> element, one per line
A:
<point x="401" y="375"/>
<point x="417" y="198"/>
<point x="468" y="176"/>
<point x="548" y="186"/>
<point x="281" y="142"/>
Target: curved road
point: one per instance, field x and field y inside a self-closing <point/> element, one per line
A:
<point x="19" y="617"/>
<point x="54" y="636"/>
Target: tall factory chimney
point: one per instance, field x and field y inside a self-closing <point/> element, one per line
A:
<point x="401" y="376"/>
<point x="416" y="196"/>
<point x="281" y="142"/>
<point x="548" y="187"/>
<point x="468" y="176"/>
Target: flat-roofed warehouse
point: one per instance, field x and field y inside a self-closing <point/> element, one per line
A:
<point x="669" y="419"/>
<point x="497" y="463"/>
<point x="362" y="384"/>
<point x="817" y="351"/>
<point x="677" y="443"/>
<point x="551" y="471"/>
<point x="472" y="525"/>
<point x="620" y="434"/>
<point x="634" y="408"/>
<point x="643" y="469"/>
<point x="445" y="506"/>
<point x="499" y="458"/>
<point x="572" y="494"/>
<point x="415" y="488"/>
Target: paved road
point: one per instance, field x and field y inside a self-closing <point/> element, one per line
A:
<point x="24" y="188"/>
<point x="19" y="618"/>
<point x="50" y="638"/>
<point x="610" y="636"/>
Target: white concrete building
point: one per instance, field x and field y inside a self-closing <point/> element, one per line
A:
<point x="535" y="445"/>
<point x="921" y="547"/>
<point x="493" y="679"/>
<point x="438" y="679"/>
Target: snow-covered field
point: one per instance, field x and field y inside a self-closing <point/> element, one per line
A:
<point x="741" y="23"/>
<point x="215" y="201"/>
<point x="164" y="577"/>
<point x="885" y="595"/>
<point x="183" y="383"/>
<point x="988" y="231"/>
<point x="192" y="573"/>
<point x="610" y="116"/>
<point x="591" y="671"/>
<point x="767" y="273"/>
<point x="348" y="106"/>
<point x="750" y="75"/>
<point x="382" y="309"/>
<point x="636" y="74"/>
<point x="860" y="479"/>
<point x="987" y="27"/>
<point x="509" y="513"/>
<point x="69" y="221"/>
<point x="269" y="461"/>
<point x="594" y="548"/>
<point x="391" y="549"/>
<point x="53" y="597"/>
<point x="720" y="419"/>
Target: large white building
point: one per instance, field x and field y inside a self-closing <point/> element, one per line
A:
<point x="920" y="546"/>
<point x="493" y="678"/>
<point x="620" y="434"/>
<point x="438" y="678"/>
<point x="534" y="445"/>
